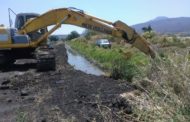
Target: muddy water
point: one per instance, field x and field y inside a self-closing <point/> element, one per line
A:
<point x="80" y="63"/>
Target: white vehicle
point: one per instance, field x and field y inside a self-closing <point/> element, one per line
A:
<point x="103" y="43"/>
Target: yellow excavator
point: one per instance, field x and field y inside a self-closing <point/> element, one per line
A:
<point x="27" y="39"/>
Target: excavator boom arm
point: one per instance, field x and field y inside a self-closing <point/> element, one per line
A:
<point x="79" y="18"/>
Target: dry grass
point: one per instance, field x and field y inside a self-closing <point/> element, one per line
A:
<point x="166" y="89"/>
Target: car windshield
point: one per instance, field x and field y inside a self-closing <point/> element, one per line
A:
<point x="104" y="41"/>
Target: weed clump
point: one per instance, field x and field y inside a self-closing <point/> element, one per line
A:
<point x="123" y="69"/>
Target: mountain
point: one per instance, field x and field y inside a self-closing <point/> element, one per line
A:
<point x="165" y="25"/>
<point x="160" y="18"/>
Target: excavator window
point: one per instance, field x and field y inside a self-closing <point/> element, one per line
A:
<point x="21" y="19"/>
<point x="20" y="22"/>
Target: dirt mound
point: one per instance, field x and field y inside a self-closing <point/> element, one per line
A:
<point x="63" y="95"/>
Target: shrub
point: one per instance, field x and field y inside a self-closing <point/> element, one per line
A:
<point x="73" y="35"/>
<point x="123" y="69"/>
<point x="164" y="41"/>
<point x="53" y="38"/>
<point x="149" y="35"/>
<point x="89" y="33"/>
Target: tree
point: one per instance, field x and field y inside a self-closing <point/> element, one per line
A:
<point x="144" y="29"/>
<point x="73" y="35"/>
<point x="148" y="32"/>
<point x="53" y="38"/>
<point x="147" y="29"/>
<point x="89" y="33"/>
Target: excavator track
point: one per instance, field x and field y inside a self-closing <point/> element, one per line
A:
<point x="45" y="59"/>
<point x="5" y="59"/>
<point x="2" y="59"/>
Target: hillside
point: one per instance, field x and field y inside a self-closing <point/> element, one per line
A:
<point x="167" y="25"/>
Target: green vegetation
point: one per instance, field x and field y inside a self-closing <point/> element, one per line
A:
<point x="121" y="62"/>
<point x="89" y="33"/>
<point x="170" y="41"/>
<point x="147" y="29"/>
<point x="53" y="38"/>
<point x="21" y="117"/>
<point x="73" y="35"/>
<point x="148" y="32"/>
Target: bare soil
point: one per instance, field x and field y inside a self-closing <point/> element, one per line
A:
<point x="62" y="95"/>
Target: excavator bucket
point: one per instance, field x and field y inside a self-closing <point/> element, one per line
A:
<point x="133" y="38"/>
<point x="143" y="46"/>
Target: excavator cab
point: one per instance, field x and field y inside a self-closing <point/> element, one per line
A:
<point x="22" y="18"/>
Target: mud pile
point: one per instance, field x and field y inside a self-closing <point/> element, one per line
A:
<point x="62" y="95"/>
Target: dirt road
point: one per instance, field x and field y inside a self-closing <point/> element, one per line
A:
<point x="62" y="95"/>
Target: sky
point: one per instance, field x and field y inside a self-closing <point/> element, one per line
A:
<point x="129" y="11"/>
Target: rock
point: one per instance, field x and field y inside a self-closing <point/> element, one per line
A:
<point x="16" y="89"/>
<point x="43" y="120"/>
<point x="8" y="100"/>
<point x="60" y="82"/>
<point x="3" y="87"/>
<point x="4" y="93"/>
<point x="121" y="104"/>
<point x="24" y="93"/>
<point x="5" y="82"/>
<point x="146" y="83"/>
<point x="30" y="98"/>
